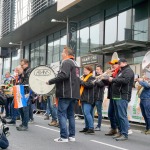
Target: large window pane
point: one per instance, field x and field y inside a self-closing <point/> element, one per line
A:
<point x="42" y="51"/>
<point x="124" y="25"/>
<point x="37" y="54"/>
<point x="26" y="52"/>
<point x="84" y="41"/>
<point x="110" y="30"/>
<point x="94" y="36"/>
<point x="140" y="25"/>
<point x="56" y="51"/>
<point x="6" y="65"/>
<point x="50" y="52"/>
<point x="32" y="55"/>
<point x="15" y="59"/>
<point x="78" y="43"/>
<point x="63" y="42"/>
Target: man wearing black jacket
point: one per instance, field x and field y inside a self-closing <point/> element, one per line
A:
<point x="99" y="96"/>
<point x="67" y="90"/>
<point x="24" y="111"/>
<point x="121" y="95"/>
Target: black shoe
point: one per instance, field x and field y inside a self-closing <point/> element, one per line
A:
<point x="11" y="122"/>
<point x="17" y="118"/>
<point x="122" y="138"/>
<point x="84" y="130"/>
<point x="19" y="126"/>
<point x="23" y="128"/>
<point x="90" y="131"/>
<point x="9" y="117"/>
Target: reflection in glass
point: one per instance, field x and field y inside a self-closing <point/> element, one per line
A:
<point x="32" y="55"/>
<point x="6" y="65"/>
<point x="37" y="54"/>
<point x="63" y="42"/>
<point x="26" y="52"/>
<point x="50" y="53"/>
<point x="84" y="41"/>
<point x="42" y="51"/>
<point x="15" y="59"/>
<point x="78" y="40"/>
<point x="56" y="51"/>
<point x="140" y="25"/>
<point x="94" y="36"/>
<point x="110" y="30"/>
<point x="124" y="26"/>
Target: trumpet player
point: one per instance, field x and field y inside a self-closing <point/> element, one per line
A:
<point x="99" y="96"/>
<point x="145" y="101"/>
<point x="111" y="110"/>
<point x="121" y="95"/>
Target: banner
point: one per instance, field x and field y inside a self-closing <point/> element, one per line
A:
<point x="73" y="35"/>
<point x="134" y="111"/>
<point x="19" y="96"/>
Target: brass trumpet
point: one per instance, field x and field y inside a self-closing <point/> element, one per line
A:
<point x="104" y="75"/>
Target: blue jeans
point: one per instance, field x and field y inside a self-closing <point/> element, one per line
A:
<point x="145" y="109"/>
<point x="3" y="141"/>
<point x="88" y="115"/>
<point x="121" y="116"/>
<point x="111" y="115"/>
<point x="53" y="109"/>
<point x="24" y="112"/>
<point x="99" y="112"/>
<point x="48" y="106"/>
<point x="66" y="111"/>
<point x="14" y="112"/>
<point x="30" y="112"/>
<point x="8" y="107"/>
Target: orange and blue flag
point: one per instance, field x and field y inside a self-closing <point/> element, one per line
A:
<point x="19" y="96"/>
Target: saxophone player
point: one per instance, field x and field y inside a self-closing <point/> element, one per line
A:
<point x="145" y="100"/>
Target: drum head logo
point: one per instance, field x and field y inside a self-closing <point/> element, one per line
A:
<point x="42" y="72"/>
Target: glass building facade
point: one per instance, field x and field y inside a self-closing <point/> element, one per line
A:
<point x="118" y="21"/>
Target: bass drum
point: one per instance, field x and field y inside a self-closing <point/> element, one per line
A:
<point x="38" y="78"/>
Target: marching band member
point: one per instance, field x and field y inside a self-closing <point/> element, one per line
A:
<point x="111" y="109"/>
<point x="121" y="94"/>
<point x="99" y="96"/>
<point x="87" y="99"/>
<point x="67" y="90"/>
<point x="145" y="101"/>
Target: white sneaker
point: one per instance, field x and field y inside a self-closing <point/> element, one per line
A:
<point x="97" y="129"/>
<point x="72" y="139"/>
<point x="130" y="131"/>
<point x="61" y="140"/>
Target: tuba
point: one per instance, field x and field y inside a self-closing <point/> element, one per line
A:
<point x="146" y="70"/>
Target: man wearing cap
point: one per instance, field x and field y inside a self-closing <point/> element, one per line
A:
<point x="121" y="95"/>
<point x="111" y="111"/>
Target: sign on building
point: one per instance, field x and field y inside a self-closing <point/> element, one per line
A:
<point x="89" y="59"/>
